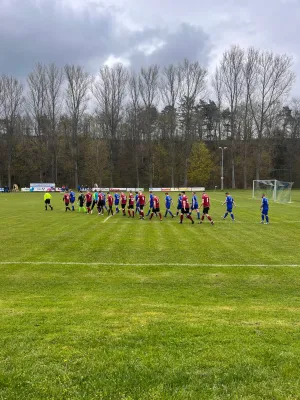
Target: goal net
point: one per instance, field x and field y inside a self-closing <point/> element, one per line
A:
<point x="278" y="191"/>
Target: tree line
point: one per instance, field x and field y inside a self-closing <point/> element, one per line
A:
<point x="152" y="128"/>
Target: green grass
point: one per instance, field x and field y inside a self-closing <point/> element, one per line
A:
<point x="129" y="309"/>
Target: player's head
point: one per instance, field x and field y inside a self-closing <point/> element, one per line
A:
<point x="122" y="194"/>
<point x="183" y="192"/>
<point x="107" y="192"/>
<point x="167" y="194"/>
<point x="136" y="192"/>
<point x="227" y="194"/>
<point x="150" y="191"/>
<point x="194" y="193"/>
<point x="263" y="195"/>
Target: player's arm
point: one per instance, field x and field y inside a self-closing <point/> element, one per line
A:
<point x="183" y="204"/>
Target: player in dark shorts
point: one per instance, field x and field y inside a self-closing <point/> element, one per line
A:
<point x="131" y="205"/>
<point x="142" y="201"/>
<point x="206" y="207"/>
<point x="156" y="208"/>
<point x="66" y="200"/>
<point x="123" y="203"/>
<point x="110" y="201"/>
<point x="88" y="203"/>
<point x="185" y="210"/>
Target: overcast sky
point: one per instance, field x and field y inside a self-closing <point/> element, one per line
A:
<point x="142" y="32"/>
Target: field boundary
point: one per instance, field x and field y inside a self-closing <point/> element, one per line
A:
<point x="144" y="264"/>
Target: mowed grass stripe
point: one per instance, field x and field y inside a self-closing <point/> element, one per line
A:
<point x="158" y="264"/>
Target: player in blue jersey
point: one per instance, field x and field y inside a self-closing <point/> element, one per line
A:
<point x="264" y="209"/>
<point x="195" y="205"/>
<point x="151" y="202"/>
<point x="169" y="202"/>
<point x="72" y="199"/>
<point x="179" y="204"/>
<point x="117" y="201"/>
<point x="137" y="202"/>
<point x="229" y="201"/>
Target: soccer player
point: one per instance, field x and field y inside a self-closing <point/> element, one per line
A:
<point x="229" y="205"/>
<point x="264" y="209"/>
<point x="81" y="201"/>
<point x="72" y="199"/>
<point x="156" y="208"/>
<point x="100" y="203"/>
<point x="130" y="205"/>
<point x="195" y="205"/>
<point x="185" y="209"/>
<point x="110" y="201"/>
<point x="117" y="201"/>
<point x="150" y="201"/>
<point x="104" y="201"/>
<point x="142" y="201"/>
<point x="66" y="200"/>
<point x="88" y="203"/>
<point x="169" y="202"/>
<point x="179" y="204"/>
<point x="47" y="200"/>
<point x="206" y="206"/>
<point x="95" y="200"/>
<point x="123" y="203"/>
<point x="137" y="203"/>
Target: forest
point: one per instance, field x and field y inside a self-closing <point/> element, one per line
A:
<point x="156" y="127"/>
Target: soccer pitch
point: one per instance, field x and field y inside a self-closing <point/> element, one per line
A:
<point x="117" y="308"/>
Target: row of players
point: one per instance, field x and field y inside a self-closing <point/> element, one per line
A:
<point x="137" y="203"/>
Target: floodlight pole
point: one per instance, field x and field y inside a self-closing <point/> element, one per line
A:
<point x="222" y="167"/>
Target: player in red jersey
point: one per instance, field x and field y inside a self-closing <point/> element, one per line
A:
<point x="66" y="200"/>
<point x="142" y="201"/>
<point x="156" y="208"/>
<point x="88" y="202"/>
<point x="123" y="203"/>
<point x="185" y="208"/>
<point x="110" y="201"/>
<point x="100" y="203"/>
<point x="206" y="207"/>
<point x="131" y="205"/>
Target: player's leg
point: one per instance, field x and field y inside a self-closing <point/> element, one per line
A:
<point x="267" y="217"/>
<point x="225" y="215"/>
<point x="189" y="216"/>
<point x="198" y="213"/>
<point x="46" y="205"/>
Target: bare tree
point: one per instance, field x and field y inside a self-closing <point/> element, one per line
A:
<point x="170" y="88"/>
<point x="231" y="70"/>
<point x="12" y="101"/>
<point x="272" y="84"/>
<point x="149" y="90"/>
<point x="36" y="105"/>
<point x="77" y="97"/>
<point x="54" y="110"/>
<point x="133" y="112"/>
<point x="193" y="85"/>
<point x="109" y="91"/>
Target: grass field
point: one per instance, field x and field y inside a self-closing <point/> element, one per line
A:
<point x="118" y="308"/>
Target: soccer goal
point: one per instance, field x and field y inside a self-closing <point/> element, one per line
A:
<point x="278" y="191"/>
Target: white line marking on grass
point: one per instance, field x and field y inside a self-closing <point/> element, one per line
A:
<point x="107" y="218"/>
<point x="143" y="264"/>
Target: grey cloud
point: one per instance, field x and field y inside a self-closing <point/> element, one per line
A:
<point x="51" y="33"/>
<point x="187" y="41"/>
<point x="30" y="34"/>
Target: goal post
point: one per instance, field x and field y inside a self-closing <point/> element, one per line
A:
<point x="275" y="190"/>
